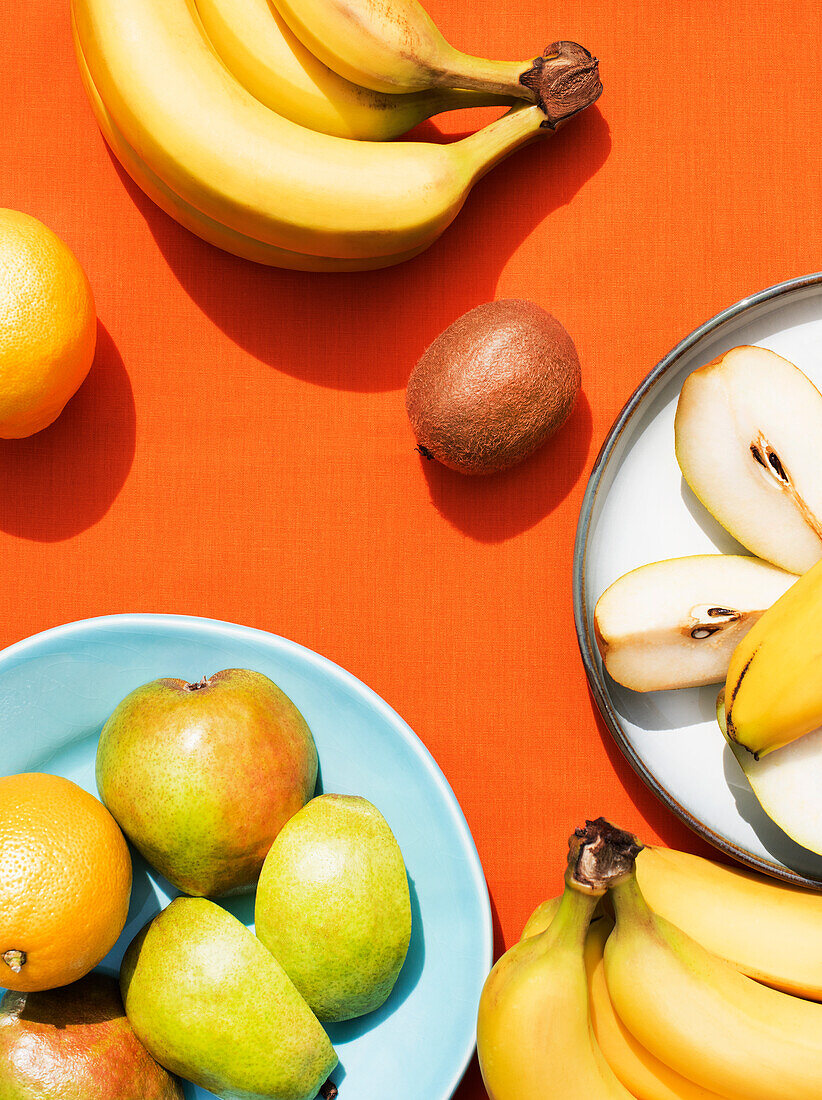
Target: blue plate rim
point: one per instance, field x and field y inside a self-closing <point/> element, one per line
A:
<point x="328" y="667"/>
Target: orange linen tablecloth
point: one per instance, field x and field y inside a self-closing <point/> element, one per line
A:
<point x="241" y="449"/>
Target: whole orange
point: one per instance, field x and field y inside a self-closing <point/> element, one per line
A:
<point x="48" y="325"/>
<point x="65" y="881"/>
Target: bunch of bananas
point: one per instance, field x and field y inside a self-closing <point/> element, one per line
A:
<point x="705" y="986"/>
<point x="262" y="130"/>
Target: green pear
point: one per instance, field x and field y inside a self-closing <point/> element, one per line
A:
<point x="333" y="905"/>
<point x="210" y="1003"/>
<point x="201" y="777"/>
<point x="75" y="1041"/>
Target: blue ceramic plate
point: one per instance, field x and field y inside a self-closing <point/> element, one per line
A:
<point x="57" y="689"/>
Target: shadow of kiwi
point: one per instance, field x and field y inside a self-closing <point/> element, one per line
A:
<point x="407" y="981"/>
<point x="499" y="506"/>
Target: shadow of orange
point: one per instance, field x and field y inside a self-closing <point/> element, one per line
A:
<point x="65" y="478"/>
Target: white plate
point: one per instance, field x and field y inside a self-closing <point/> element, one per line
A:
<point x="638" y="509"/>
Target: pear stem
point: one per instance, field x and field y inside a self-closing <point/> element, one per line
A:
<point x="206" y="680"/>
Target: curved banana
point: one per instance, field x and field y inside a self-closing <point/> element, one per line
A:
<point x="224" y="153"/>
<point x="640" y="1072"/>
<point x="395" y="46"/>
<point x="542" y="916"/>
<point x="255" y="43"/>
<point x="534" y="1035"/>
<point x="772" y="692"/>
<point x="760" y="926"/>
<point x="201" y="225"/>
<point x="704" y="1019"/>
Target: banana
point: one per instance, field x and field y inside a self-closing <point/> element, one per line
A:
<point x="227" y="155"/>
<point x="713" y="904"/>
<point x="201" y="225"/>
<point x="255" y="43"/>
<point x="394" y="46"/>
<point x="639" y="1071"/>
<point x="704" y="1019"/>
<point x="534" y="1036"/>
<point x="542" y="916"/>
<point x="773" y="691"/>
<point x="760" y="926"/>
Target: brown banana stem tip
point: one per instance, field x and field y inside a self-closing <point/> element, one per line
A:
<point x="600" y="856"/>
<point x="328" y="1090"/>
<point x="564" y="81"/>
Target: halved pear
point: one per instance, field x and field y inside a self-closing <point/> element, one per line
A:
<point x="748" y="436"/>
<point x="786" y="783"/>
<point x="675" y="623"/>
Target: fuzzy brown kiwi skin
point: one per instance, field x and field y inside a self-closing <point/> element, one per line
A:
<point x="493" y="387"/>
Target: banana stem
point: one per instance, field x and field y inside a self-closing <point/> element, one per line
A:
<point x="535" y="81"/>
<point x="565" y="82"/>
<point x="572" y="918"/>
<point x="453" y="99"/>
<point x="479" y="73"/>
<point x="630" y="905"/>
<point x="487" y="147"/>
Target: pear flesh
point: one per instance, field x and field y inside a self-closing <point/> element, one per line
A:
<point x="201" y="777"/>
<point x="748" y="435"/>
<point x="675" y="623"/>
<point x="333" y="906"/>
<point x="786" y="783"/>
<point x="211" y="1004"/>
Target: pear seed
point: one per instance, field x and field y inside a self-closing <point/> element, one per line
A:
<point x="773" y="458"/>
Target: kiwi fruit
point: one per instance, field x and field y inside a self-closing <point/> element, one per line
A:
<point x="493" y="387"/>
